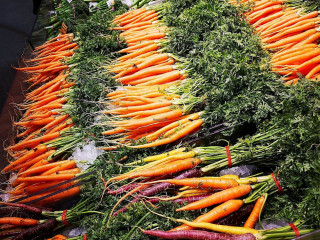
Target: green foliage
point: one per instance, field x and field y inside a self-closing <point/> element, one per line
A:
<point x="307" y="5"/>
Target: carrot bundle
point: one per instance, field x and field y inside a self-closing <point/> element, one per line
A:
<point x="147" y="109"/>
<point x="290" y="36"/>
<point x="44" y="124"/>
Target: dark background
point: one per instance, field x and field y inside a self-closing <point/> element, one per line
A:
<point x="17" y="20"/>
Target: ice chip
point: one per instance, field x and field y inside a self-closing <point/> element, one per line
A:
<point x="241" y="171"/>
<point x="75" y="232"/>
<point x="13" y="177"/>
<point x="85" y="154"/>
<point x="127" y="2"/>
<point x="272" y="225"/>
<point x="5" y="197"/>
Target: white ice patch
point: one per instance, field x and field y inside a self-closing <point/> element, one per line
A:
<point x="85" y="154"/>
<point x="272" y="225"/>
<point x="5" y="197"/>
<point x="75" y="232"/>
<point x="127" y="2"/>
<point x="13" y="177"/>
<point x="241" y="171"/>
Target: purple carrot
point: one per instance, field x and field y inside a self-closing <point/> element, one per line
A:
<point x="23" y="206"/>
<point x="236" y="218"/>
<point x="124" y="188"/>
<point x="9" y="233"/>
<point x="197" y="235"/>
<point x="41" y="230"/>
<point x="190" y="199"/>
<point x="157" y="188"/>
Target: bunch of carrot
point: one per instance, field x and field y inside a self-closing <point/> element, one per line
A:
<point x="21" y="222"/>
<point x="290" y="36"/>
<point x="224" y="193"/>
<point x="147" y="108"/>
<point x="44" y="125"/>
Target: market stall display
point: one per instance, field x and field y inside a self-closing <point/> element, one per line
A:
<point x="137" y="110"/>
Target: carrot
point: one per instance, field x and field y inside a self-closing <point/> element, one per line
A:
<point x="152" y="60"/>
<point x="55" y="198"/>
<point x="24" y="207"/>
<point x="41" y="169"/>
<point x="218" y="197"/>
<point x="174" y="167"/>
<point x="254" y="215"/>
<point x="41" y="158"/>
<point x="35" y="187"/>
<point x="139" y="108"/>
<point x="193" y="234"/>
<point x="219" y="228"/>
<point x="214" y="183"/>
<point x="268" y="19"/>
<point x="138" y="46"/>
<point x="155" y="118"/>
<point x="40" y="149"/>
<point x="136" y="53"/>
<point x="290" y="31"/>
<point x="18" y="221"/>
<point x="264" y="12"/>
<point x="45" y="178"/>
<point x="300" y="58"/>
<point x="34" y="142"/>
<point x="286" y="20"/>
<point x="150" y="71"/>
<point x="163" y="78"/>
<point x="179" y="134"/>
<point x="151" y="36"/>
<point x="216" y="213"/>
<point x="295" y="38"/>
<point x="175" y="124"/>
<point x="64" y="165"/>
<point x="314" y="71"/>
<point x="311" y="39"/>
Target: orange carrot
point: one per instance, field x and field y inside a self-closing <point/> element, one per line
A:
<point x="218" y="212"/>
<point x="40" y="149"/>
<point x="150" y="71"/>
<point x="174" y="167"/>
<point x="179" y="134"/>
<point x="254" y="215"/>
<point x="214" y="183"/>
<point x="45" y="178"/>
<point x="41" y="169"/>
<point x="41" y="158"/>
<point x="139" y="108"/>
<point x="295" y="38"/>
<point x="64" y="165"/>
<point x="152" y="60"/>
<point x="34" y="142"/>
<point x="218" y="197"/>
<point x="18" y="221"/>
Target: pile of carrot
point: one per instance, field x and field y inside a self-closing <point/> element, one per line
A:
<point x="22" y="222"/>
<point x="146" y="108"/>
<point x="289" y="35"/>
<point x="42" y="123"/>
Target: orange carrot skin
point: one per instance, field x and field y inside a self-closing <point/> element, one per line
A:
<point x="171" y="168"/>
<point x="183" y="132"/>
<point x="218" y="197"/>
<point x="40" y="149"/>
<point x="46" y="178"/>
<point x="254" y="216"/>
<point x="215" y="214"/>
<point x="214" y="183"/>
<point x="18" y="221"/>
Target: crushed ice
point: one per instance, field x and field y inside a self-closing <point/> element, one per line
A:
<point x="241" y="171"/>
<point x="85" y="154"/>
